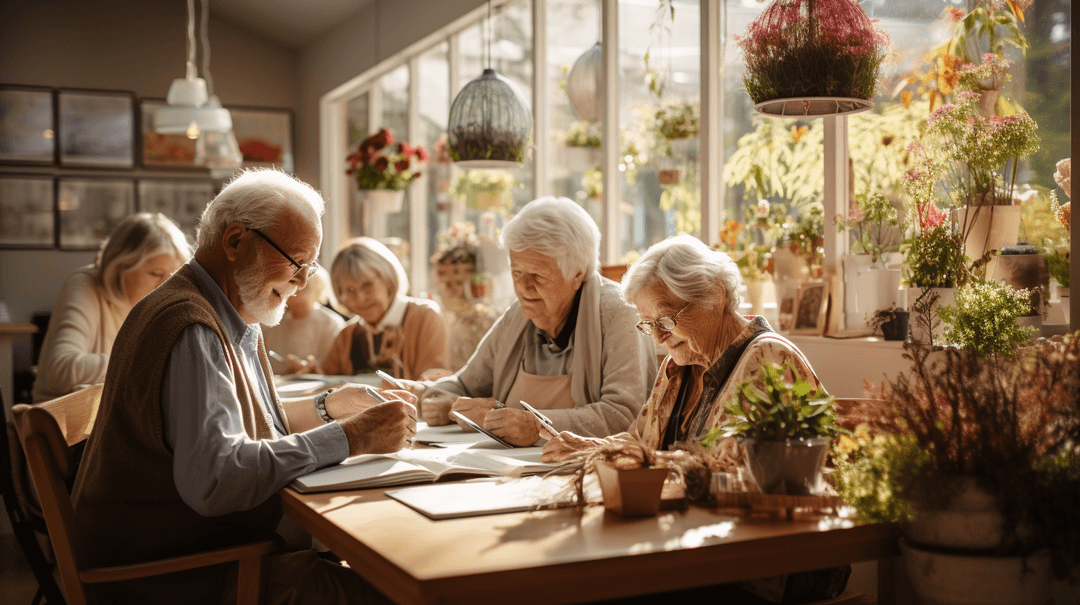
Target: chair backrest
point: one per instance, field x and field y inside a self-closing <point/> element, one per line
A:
<point x="45" y="442"/>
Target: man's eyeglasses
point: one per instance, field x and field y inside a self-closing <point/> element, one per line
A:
<point x="666" y="324"/>
<point x="311" y="267"/>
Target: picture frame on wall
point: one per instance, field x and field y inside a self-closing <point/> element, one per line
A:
<point x="265" y="136"/>
<point x="96" y="128"/>
<point x="182" y="200"/>
<point x="90" y="207"/>
<point x="811" y="304"/>
<point x="162" y="150"/>
<point x="27" y="211"/>
<point x="27" y="125"/>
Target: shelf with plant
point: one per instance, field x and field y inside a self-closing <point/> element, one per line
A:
<point x="380" y="164"/>
<point x="812" y="48"/>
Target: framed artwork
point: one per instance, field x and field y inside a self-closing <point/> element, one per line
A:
<point x="26" y="211"/>
<point x="182" y="200"/>
<point x="89" y="208"/>
<point x="162" y="150"/>
<point x="811" y="304"/>
<point x="97" y="128"/>
<point x="27" y="125"/>
<point x="264" y="136"/>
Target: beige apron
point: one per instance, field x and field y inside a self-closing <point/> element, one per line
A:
<point x="541" y="392"/>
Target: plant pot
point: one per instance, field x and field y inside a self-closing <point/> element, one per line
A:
<point x="946" y="296"/>
<point x="970" y="521"/>
<point x="950" y="579"/>
<point x="988" y="228"/>
<point x="631" y="493"/>
<point x="868" y="287"/>
<point x="1025" y="271"/>
<point x="383" y="201"/>
<point x="897" y="327"/>
<point x="790" y="466"/>
<point x="482" y="289"/>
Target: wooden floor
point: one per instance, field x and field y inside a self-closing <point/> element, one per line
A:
<point x="17" y="583"/>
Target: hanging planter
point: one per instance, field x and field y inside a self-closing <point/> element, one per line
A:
<point x="490" y="125"/>
<point x="810" y="58"/>
<point x="584" y="85"/>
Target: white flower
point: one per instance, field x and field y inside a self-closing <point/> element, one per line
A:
<point x="763" y="208"/>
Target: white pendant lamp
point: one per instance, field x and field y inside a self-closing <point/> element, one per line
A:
<point x="585" y="85"/>
<point x="190" y="111"/>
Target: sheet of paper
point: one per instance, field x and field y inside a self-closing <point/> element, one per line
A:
<point x="451" y="433"/>
<point x="474" y="498"/>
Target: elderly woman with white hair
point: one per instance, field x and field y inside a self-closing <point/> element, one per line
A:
<point x="688" y="298"/>
<point x="567" y="345"/>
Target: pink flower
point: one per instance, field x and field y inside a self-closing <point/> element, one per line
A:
<point x="930" y="217"/>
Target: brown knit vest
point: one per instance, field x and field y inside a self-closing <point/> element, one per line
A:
<point x="126" y="504"/>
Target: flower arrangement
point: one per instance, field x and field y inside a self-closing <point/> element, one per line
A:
<point x="379" y="164"/>
<point x="872" y="218"/>
<point x="457" y="244"/>
<point x="582" y="134"/>
<point x="592" y="183"/>
<point x="754" y="260"/>
<point x="678" y="120"/>
<point x="933" y="249"/>
<point x="979" y="155"/>
<point x="983" y="318"/>
<point x="812" y="48"/>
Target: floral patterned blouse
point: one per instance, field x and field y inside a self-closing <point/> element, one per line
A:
<point x="709" y="389"/>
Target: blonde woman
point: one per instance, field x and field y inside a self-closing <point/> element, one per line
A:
<point x="140" y="253"/>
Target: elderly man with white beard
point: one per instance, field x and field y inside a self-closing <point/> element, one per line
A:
<point x="192" y="443"/>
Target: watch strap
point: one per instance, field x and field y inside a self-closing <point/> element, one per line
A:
<point x="320" y="405"/>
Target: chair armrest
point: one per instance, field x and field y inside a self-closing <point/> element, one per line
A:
<point x="97" y="575"/>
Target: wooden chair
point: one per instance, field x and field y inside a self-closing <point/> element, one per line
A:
<point x="47" y="431"/>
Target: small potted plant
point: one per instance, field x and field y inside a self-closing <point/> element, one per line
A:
<point x="983" y="318"/>
<point x="674" y="125"/>
<point x="483" y="190"/>
<point x="892" y="322"/>
<point x="806" y="237"/>
<point x="870" y="283"/>
<point x="785" y="425"/>
<point x="383" y="171"/>
<point x="481" y="285"/>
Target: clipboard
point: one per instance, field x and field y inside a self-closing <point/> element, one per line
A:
<point x="479" y="428"/>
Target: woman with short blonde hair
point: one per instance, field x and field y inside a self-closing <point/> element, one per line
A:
<point x="138" y="256"/>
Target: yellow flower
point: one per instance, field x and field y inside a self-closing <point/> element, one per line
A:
<point x="947" y="76"/>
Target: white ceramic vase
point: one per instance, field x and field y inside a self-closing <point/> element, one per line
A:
<point x="867" y="288"/>
<point x="919" y="333"/>
<point x="988" y="228"/>
<point x="383" y="201"/>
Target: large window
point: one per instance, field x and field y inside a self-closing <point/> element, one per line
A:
<point x="660" y="79"/>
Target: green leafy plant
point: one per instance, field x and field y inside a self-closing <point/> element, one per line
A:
<point x="1058" y="262"/>
<point x="678" y="120"/>
<point x="476" y="144"/>
<point x="983" y="318"/>
<point x="870" y="223"/>
<point x="869" y="471"/>
<point x="806" y="237"/>
<point x="469" y="185"/>
<point x="592" y="183"/>
<point x="684" y="198"/>
<point x="767" y="406"/>
<point x="582" y="134"/>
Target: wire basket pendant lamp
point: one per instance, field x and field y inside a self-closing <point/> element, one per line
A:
<point x="490" y="124"/>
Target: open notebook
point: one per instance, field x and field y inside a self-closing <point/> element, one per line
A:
<point x="423" y="466"/>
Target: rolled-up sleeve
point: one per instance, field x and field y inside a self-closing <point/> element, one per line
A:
<point x="217" y="468"/>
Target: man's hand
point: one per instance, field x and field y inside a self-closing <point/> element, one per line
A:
<point x="473" y="408"/>
<point x="564" y="446"/>
<point x="381" y="429"/>
<point x="517" y="427"/>
<point x="352" y="399"/>
<point x="435" y="408"/>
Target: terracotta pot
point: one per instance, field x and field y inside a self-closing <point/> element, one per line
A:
<point x="631" y="493"/>
<point x="950" y="579"/>
<point x="789" y="466"/>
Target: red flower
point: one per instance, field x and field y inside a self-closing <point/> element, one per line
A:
<point x="404" y="149"/>
<point x="420" y="153"/>
<point x="365" y="154"/>
<point x="401" y="165"/>
<point x="382" y="164"/>
<point x="379" y="140"/>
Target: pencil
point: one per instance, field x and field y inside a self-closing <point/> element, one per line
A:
<point x="393" y="381"/>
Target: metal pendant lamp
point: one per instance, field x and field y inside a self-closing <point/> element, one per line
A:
<point x="490" y="125"/>
<point x="585" y="85"/>
<point x="190" y="110"/>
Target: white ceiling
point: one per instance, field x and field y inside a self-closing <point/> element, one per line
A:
<point x="293" y="23"/>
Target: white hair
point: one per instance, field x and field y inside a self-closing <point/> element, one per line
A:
<point x="689" y="269"/>
<point x="362" y="254"/>
<point x="257" y="199"/>
<point x="559" y="228"/>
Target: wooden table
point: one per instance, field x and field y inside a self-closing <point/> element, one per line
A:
<point x="570" y="555"/>
<point x="8" y="333"/>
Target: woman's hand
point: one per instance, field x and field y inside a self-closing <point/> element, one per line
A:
<point x="435" y="408"/>
<point x="473" y="408"/>
<point x="564" y="445"/>
<point x="516" y="427"/>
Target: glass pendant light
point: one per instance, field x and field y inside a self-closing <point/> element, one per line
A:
<point x="189" y="111"/>
<point x="218" y="151"/>
<point x="490" y="125"/>
<point x="585" y="85"/>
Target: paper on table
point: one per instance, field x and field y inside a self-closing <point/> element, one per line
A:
<point x="450" y="433"/>
<point x="471" y="499"/>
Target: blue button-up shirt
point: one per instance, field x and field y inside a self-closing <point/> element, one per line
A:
<point x="217" y="468"/>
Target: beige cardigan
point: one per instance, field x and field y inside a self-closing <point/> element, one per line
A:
<point x="82" y="328"/>
<point x="611" y="372"/>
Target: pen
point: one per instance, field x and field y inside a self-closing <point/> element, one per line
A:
<point x="393" y="381"/>
<point x="375" y="394"/>
<point x="276" y="357"/>
<point x="545" y="422"/>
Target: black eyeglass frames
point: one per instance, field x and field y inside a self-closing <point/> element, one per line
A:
<point x="311" y="267"/>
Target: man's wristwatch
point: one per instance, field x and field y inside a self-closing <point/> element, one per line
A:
<point x="320" y="405"/>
